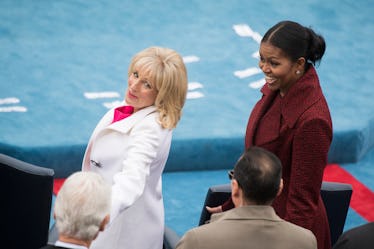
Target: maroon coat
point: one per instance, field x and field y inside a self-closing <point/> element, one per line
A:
<point x="298" y="129"/>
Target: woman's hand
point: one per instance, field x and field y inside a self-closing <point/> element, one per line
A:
<point x="213" y="210"/>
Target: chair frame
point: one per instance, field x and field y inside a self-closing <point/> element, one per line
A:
<point x="26" y="203"/>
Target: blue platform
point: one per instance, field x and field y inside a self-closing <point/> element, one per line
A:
<point x="64" y="63"/>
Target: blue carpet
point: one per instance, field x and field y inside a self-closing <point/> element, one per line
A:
<point x="55" y="53"/>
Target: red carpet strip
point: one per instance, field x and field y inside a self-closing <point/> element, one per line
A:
<point x="57" y="185"/>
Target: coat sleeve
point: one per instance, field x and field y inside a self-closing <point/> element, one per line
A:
<point x="309" y="158"/>
<point x="129" y="184"/>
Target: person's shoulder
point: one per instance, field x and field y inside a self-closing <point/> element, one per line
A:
<point x="150" y="121"/>
<point x="147" y="117"/>
<point x="206" y="228"/>
<point x="152" y="114"/>
<point x="299" y="231"/>
<point x="47" y="247"/>
<point x="298" y="236"/>
<point x="149" y="127"/>
<point x="361" y="235"/>
<point x="52" y="247"/>
<point x="362" y="228"/>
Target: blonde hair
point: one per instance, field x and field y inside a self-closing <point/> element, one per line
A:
<point x="167" y="72"/>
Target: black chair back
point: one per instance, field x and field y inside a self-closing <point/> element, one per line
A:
<point x="26" y="199"/>
<point x="215" y="196"/>
<point x="336" y="197"/>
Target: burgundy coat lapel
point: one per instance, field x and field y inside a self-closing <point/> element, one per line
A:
<point x="306" y="91"/>
<point x="257" y="113"/>
<point x="300" y="97"/>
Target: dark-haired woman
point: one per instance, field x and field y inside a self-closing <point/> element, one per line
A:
<point x="292" y="120"/>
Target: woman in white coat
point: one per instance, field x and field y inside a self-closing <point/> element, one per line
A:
<point x="130" y="150"/>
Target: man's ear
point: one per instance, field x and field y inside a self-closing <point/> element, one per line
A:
<point x="235" y="193"/>
<point x="280" y="187"/>
<point x="104" y="223"/>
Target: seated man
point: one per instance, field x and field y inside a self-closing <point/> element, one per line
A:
<point x="358" y="237"/>
<point x="253" y="223"/>
<point x="81" y="210"/>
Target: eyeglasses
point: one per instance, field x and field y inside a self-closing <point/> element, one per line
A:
<point x="231" y="174"/>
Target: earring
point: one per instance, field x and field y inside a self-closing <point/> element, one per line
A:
<point x="298" y="72"/>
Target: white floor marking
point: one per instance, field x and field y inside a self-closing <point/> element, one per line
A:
<point x="247" y="72"/>
<point x="11" y="101"/>
<point x="194" y="85"/>
<point x="101" y="95"/>
<point x="245" y="31"/>
<point x="13" y="109"/>
<point x="190" y="59"/>
<point x="194" y="95"/>
<point x="257" y="84"/>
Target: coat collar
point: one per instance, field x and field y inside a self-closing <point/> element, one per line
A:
<point x="304" y="93"/>
<point x="128" y="123"/>
<point x="251" y="212"/>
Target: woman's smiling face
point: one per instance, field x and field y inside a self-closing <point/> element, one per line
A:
<point x="280" y="72"/>
<point x="140" y="92"/>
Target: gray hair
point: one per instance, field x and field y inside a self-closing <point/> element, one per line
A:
<point x="81" y="205"/>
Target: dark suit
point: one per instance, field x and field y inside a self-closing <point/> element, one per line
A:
<point x="298" y="129"/>
<point x="361" y="237"/>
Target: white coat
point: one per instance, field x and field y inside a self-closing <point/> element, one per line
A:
<point x="131" y="154"/>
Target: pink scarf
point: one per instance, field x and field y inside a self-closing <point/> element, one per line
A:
<point x="122" y="112"/>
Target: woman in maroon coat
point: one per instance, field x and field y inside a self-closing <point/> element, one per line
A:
<point x="293" y="121"/>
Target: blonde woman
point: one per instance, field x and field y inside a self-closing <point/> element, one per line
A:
<point x="130" y="146"/>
